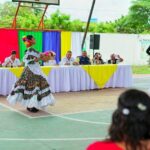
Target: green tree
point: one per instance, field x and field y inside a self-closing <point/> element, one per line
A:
<point x="27" y="17"/>
<point x="77" y="25"/>
<point x="58" y="21"/>
<point x="138" y="19"/>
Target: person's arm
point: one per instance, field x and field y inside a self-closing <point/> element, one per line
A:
<point x="63" y="61"/>
<point x="89" y="62"/>
<point x="7" y="62"/>
<point x="19" y="63"/>
<point x="72" y="62"/>
<point x="27" y="60"/>
<point x="120" y="59"/>
<point x="80" y="62"/>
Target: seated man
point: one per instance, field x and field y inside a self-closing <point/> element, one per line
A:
<point x="115" y="59"/>
<point x="84" y="59"/>
<point x="68" y="60"/>
<point x="12" y="61"/>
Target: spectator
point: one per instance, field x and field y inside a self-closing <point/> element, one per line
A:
<point x="115" y="59"/>
<point x="68" y="60"/>
<point x="84" y="59"/>
<point x="52" y="60"/>
<point x="130" y="127"/>
<point x="12" y="61"/>
<point x="98" y="59"/>
<point x="148" y="50"/>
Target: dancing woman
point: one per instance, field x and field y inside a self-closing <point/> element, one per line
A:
<point x="32" y="89"/>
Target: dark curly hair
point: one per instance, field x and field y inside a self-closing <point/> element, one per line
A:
<point x="131" y="120"/>
<point x="26" y="38"/>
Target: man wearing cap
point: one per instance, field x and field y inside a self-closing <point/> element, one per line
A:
<point x="12" y="61"/>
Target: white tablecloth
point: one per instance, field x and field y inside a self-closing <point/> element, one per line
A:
<point x="70" y="78"/>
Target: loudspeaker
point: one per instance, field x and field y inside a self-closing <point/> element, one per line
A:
<point x="94" y="41"/>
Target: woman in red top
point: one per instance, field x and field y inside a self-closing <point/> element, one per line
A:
<point x="130" y="128"/>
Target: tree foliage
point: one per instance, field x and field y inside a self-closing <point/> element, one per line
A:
<point x="137" y="20"/>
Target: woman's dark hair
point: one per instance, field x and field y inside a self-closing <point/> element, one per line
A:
<point x="99" y="58"/>
<point x="13" y="52"/>
<point x="131" y="120"/>
<point x="29" y="37"/>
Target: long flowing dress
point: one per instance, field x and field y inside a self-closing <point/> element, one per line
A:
<point x="32" y="89"/>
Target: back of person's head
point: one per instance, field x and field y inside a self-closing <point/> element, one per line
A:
<point x="131" y="119"/>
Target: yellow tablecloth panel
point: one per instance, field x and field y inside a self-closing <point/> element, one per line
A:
<point x="100" y="73"/>
<point x="18" y="70"/>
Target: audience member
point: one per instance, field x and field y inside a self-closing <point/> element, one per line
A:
<point x="115" y="59"/>
<point x="148" y="50"/>
<point x="68" y="60"/>
<point x="52" y="60"/>
<point x="12" y="61"/>
<point x="130" y="127"/>
<point x="98" y="59"/>
<point x="84" y="59"/>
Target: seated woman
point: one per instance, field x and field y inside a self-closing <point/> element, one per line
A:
<point x="51" y="61"/>
<point x="98" y="59"/>
<point x="115" y="59"/>
<point x="130" y="127"/>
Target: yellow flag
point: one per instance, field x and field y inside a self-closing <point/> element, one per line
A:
<point x="100" y="73"/>
<point x="17" y="71"/>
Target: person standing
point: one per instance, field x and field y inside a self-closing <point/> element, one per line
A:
<point x="32" y="89"/>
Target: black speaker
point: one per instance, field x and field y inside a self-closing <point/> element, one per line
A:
<point x="94" y="41"/>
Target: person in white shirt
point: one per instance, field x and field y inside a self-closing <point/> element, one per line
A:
<point x="12" y="61"/>
<point x="52" y="61"/>
<point x="68" y="60"/>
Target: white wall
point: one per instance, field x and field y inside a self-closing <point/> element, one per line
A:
<point x="128" y="46"/>
<point x="123" y="44"/>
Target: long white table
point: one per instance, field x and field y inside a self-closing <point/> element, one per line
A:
<point x="70" y="78"/>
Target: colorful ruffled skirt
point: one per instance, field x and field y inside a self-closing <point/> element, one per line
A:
<point x="31" y="90"/>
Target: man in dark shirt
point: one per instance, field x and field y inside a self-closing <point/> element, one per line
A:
<point x="148" y="50"/>
<point x="84" y="59"/>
